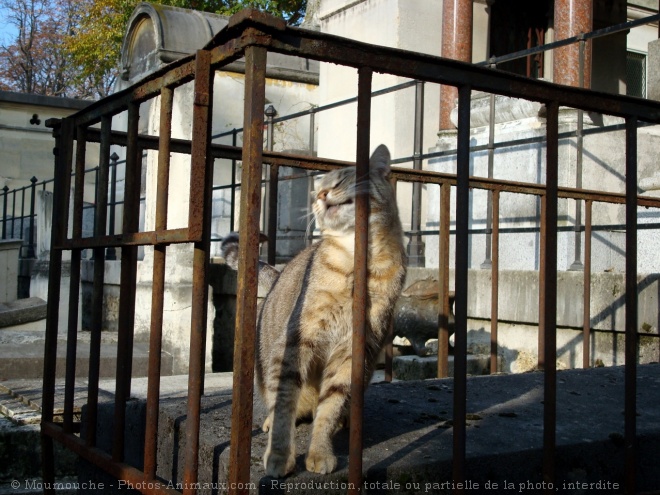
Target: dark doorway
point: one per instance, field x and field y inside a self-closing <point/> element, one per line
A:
<point x="516" y="25"/>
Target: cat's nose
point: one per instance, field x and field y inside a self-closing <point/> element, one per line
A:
<point x="322" y="195"/>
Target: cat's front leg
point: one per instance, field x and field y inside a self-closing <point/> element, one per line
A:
<point x="283" y="388"/>
<point x="280" y="456"/>
<point x="331" y="410"/>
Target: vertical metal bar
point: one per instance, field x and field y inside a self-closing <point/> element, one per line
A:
<point x="631" y="348"/>
<point x="389" y="344"/>
<point x="443" y="280"/>
<point x="586" y="305"/>
<point x="232" y="203"/>
<point x="128" y="274"/>
<point x="495" y="275"/>
<point x="577" y="263"/>
<point x="62" y="183"/>
<point x="312" y="129"/>
<point x="491" y="161"/>
<point x="542" y="272"/>
<point x="246" y="294"/>
<point x="389" y="353"/>
<point x="360" y="281"/>
<point x="158" y="288"/>
<point x="549" y="316"/>
<point x="22" y="217"/>
<point x="96" y="189"/>
<point x="30" y="249"/>
<point x="461" y="283"/>
<point x="201" y="186"/>
<point x="72" y="331"/>
<point x="270" y="203"/>
<point x="273" y="184"/>
<point x="13" y="212"/>
<point x="5" y="190"/>
<point x="416" y="245"/>
<point x="111" y="252"/>
<point x="97" y="299"/>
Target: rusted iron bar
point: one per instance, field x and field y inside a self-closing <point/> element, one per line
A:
<point x="246" y="298"/>
<point x="98" y="457"/>
<point x="158" y="287"/>
<point x="491" y="164"/>
<point x="540" y="354"/>
<point x="586" y="304"/>
<point x="172" y="75"/>
<point x="74" y="286"/>
<point x="64" y="134"/>
<point x="413" y="65"/>
<point x="172" y="236"/>
<point x="402" y="174"/>
<point x="360" y="281"/>
<point x="443" y="280"/>
<point x="461" y="284"/>
<point x="128" y="279"/>
<point x="273" y="184"/>
<point x="549" y="315"/>
<point x="415" y="248"/>
<point x="389" y="353"/>
<point x="96" y="322"/>
<point x="608" y="31"/>
<point x="201" y="192"/>
<point x="232" y="203"/>
<point x="494" y="281"/>
<point x="176" y="73"/>
<point x="389" y="342"/>
<point x="631" y="346"/>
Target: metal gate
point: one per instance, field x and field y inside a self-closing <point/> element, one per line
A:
<point x="252" y="35"/>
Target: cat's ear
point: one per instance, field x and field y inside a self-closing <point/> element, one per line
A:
<point x="380" y="160"/>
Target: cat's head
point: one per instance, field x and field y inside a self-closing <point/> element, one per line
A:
<point x="334" y="194"/>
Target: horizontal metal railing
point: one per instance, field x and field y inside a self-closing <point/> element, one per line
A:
<point x="252" y="35"/>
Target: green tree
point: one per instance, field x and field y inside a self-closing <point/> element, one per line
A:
<point x="72" y="47"/>
<point x="94" y="45"/>
<point x="33" y="61"/>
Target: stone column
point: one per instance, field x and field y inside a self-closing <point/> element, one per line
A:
<point x="457" y="45"/>
<point x="572" y="17"/>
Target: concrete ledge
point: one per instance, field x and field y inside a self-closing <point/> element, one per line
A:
<point x="22" y="311"/>
<point x="25" y="359"/>
<point x="422" y="368"/>
<point x="408" y="436"/>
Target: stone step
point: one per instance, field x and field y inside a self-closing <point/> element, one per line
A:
<point x="414" y="367"/>
<point x="24" y="359"/>
<point x="22" y="311"/>
<point x="408" y="436"/>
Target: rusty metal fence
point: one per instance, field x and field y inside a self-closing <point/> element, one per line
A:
<point x="252" y="35"/>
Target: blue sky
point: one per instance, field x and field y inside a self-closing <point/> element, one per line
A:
<point x="7" y="31"/>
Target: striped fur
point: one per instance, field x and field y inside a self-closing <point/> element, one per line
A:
<point x="304" y="350"/>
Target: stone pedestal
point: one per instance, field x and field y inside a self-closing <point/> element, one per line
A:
<point x="653" y="71"/>
<point x="9" y="269"/>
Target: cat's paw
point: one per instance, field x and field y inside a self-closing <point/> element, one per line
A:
<point x="279" y="464"/>
<point x="321" y="462"/>
<point x="266" y="426"/>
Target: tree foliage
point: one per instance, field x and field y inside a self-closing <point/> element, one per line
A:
<point x="72" y="47"/>
<point x="34" y="62"/>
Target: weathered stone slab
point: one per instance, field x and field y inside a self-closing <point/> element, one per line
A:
<point x="408" y="436"/>
<point x="22" y="311"/>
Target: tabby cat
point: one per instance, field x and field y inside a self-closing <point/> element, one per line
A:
<point x="303" y="365"/>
